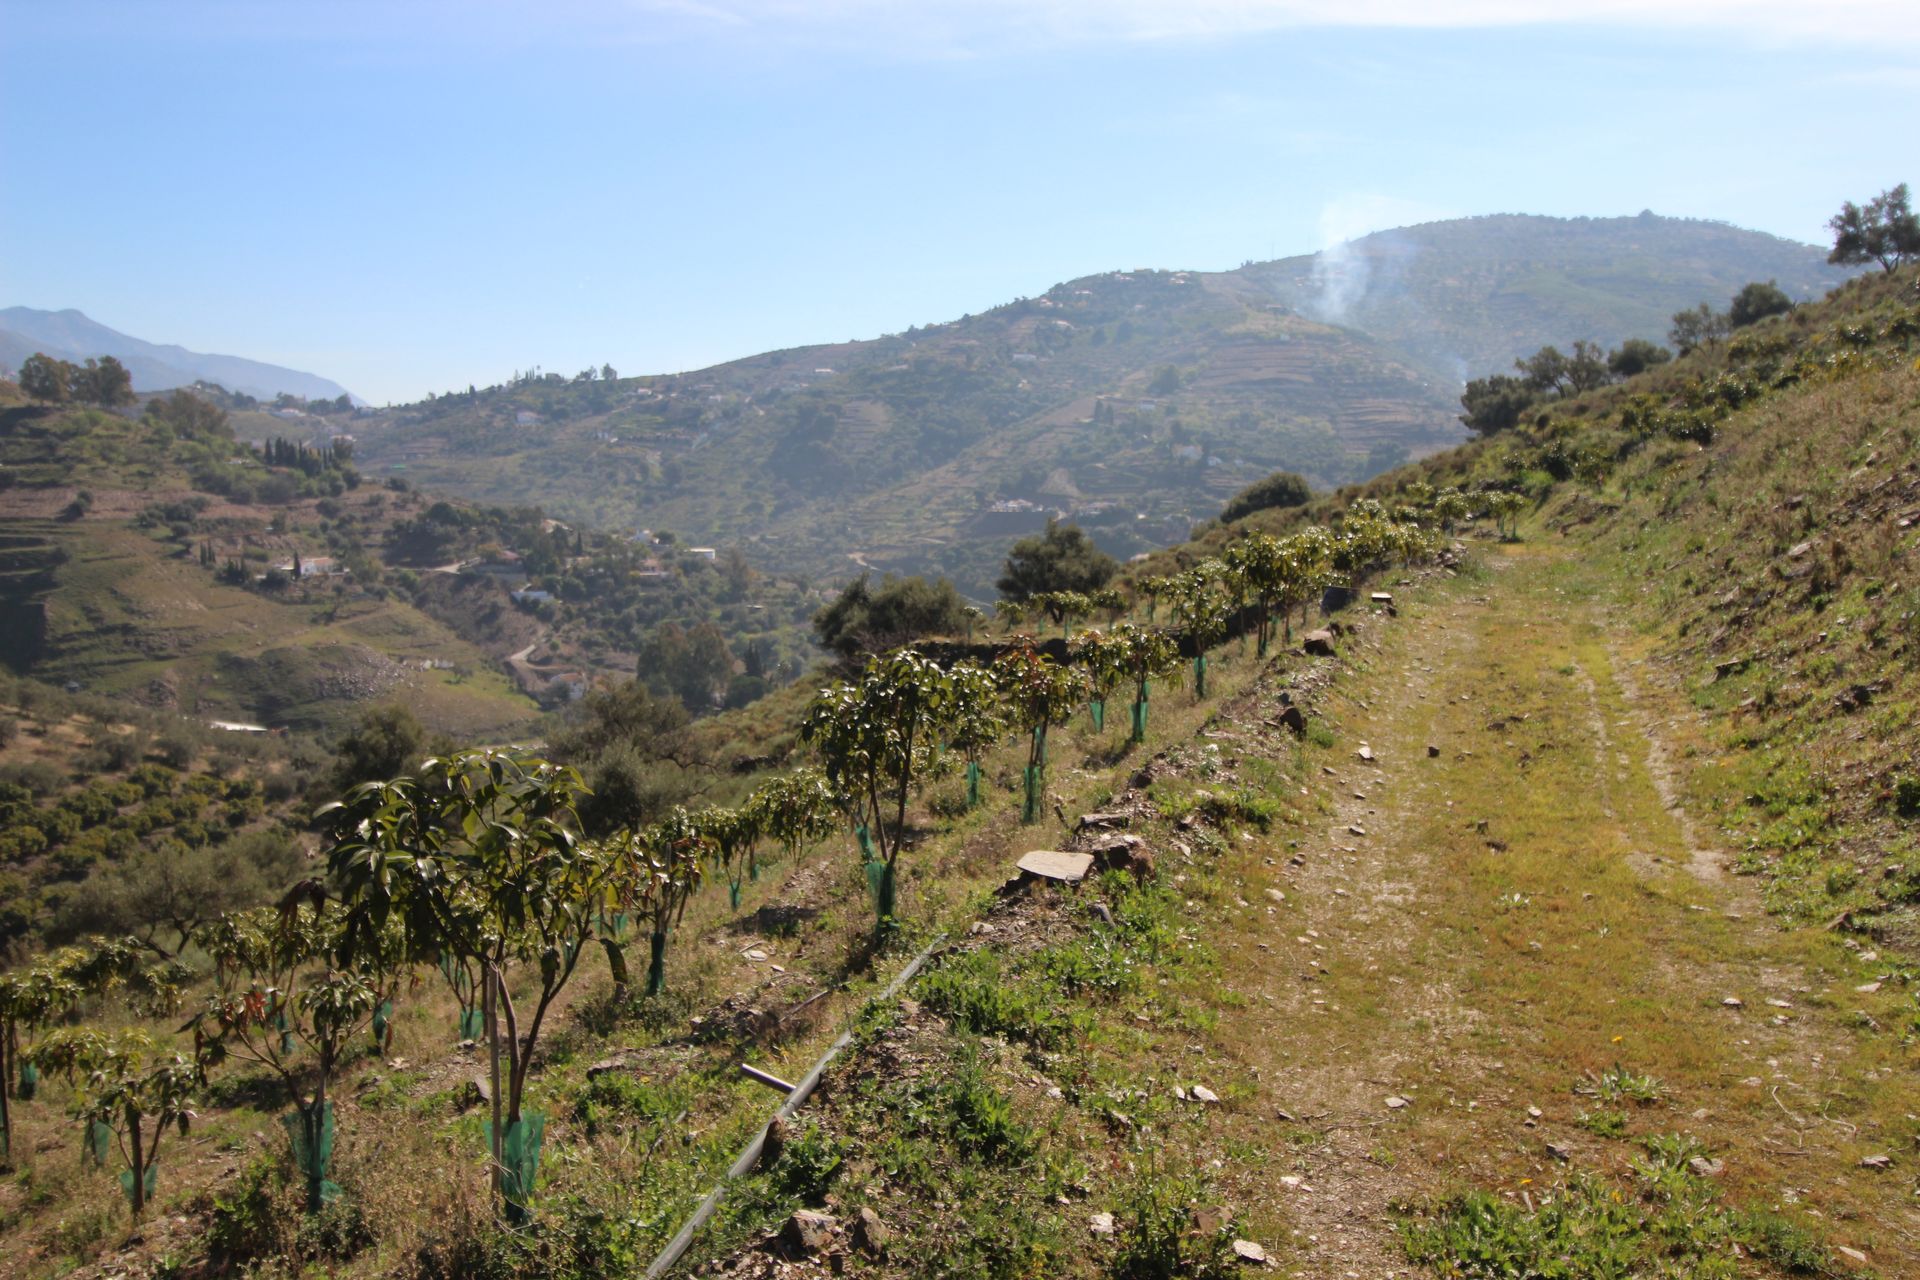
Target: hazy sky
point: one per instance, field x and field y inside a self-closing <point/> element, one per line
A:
<point x="409" y="195"/>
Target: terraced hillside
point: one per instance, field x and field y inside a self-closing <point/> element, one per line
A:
<point x="1131" y="401"/>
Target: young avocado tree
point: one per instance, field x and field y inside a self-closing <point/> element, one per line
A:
<point x="975" y="719"/>
<point x="1505" y="508"/>
<point x="794" y="810"/>
<point x="1062" y="608"/>
<point x="1144" y="654"/>
<point x="1039" y="692"/>
<point x="477" y="855"/>
<point x="1102" y="660"/>
<point x="131" y="1086"/>
<point x="875" y="739"/>
<point x="52" y="988"/>
<point x="730" y="836"/>
<point x="1259" y="563"/>
<point x="656" y="873"/>
<point x="276" y="969"/>
<point x="1200" y="610"/>
<point x="1152" y="587"/>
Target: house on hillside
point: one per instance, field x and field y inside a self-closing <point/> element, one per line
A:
<point x="304" y="567"/>
<point x="526" y="418"/>
<point x="572" y="684"/>
<point x="705" y="553"/>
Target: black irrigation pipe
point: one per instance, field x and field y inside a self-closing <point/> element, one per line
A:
<point x="750" y="1155"/>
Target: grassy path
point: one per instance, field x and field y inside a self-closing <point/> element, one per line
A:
<point x="1473" y="937"/>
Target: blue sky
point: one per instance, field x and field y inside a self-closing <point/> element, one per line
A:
<point x="414" y="196"/>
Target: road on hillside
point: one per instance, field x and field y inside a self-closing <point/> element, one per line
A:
<point x="1477" y="932"/>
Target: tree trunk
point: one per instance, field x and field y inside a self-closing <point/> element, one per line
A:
<point x="489" y="999"/>
<point x="138" y="1196"/>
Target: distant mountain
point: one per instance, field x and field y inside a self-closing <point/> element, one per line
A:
<point x="71" y="335"/>
<point x="1134" y="402"/>
<point x="1465" y="297"/>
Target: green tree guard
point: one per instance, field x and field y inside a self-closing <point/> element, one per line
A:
<point x="29" y="1082"/>
<point x="285" y="1029"/>
<point x="152" y="1181"/>
<point x="973" y="784"/>
<point x="1199" y="677"/>
<point x="1040" y="746"/>
<point x="382" y="1026"/>
<point x="656" y="964"/>
<point x="96" y="1144"/>
<point x="880" y="885"/>
<point x="310" y="1129"/>
<point x="473" y="1024"/>
<point x="520" y="1160"/>
<point x="1030" y="807"/>
<point x="1139" y="722"/>
<point x="867" y="851"/>
<point x="1097" y="708"/>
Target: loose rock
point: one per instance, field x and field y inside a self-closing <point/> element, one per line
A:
<point x="1248" y="1251"/>
<point x="809" y="1231"/>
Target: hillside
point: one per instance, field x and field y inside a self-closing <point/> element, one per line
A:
<point x="152" y="557"/>
<point x="1134" y="402"/>
<point x="1549" y="914"/>
<point x="71" y="335"/>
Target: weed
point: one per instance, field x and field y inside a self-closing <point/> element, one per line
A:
<point x="1157" y="1240"/>
<point x="808" y="1163"/>
<point x="613" y="1100"/>
<point x="972" y="990"/>
<point x="1590" y="1228"/>
<point x="1617" y="1083"/>
<point x="1605" y="1124"/>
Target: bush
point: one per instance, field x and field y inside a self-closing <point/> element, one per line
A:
<point x="1281" y="489"/>
<point x="1906" y="796"/>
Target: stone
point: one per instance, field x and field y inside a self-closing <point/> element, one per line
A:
<point x="1734" y="1002"/>
<point x="1053" y="864"/>
<point x="1248" y="1251"/>
<point x="1798" y="549"/>
<point x="1203" y="1094"/>
<point x="1101" y="1224"/>
<point x="1274" y="895"/>
<point x="1867" y="988"/>
<point x="1851" y="1254"/>
<point x="1395" y="1102"/>
<point x="870" y="1234"/>
<point x="1558" y="1152"/>
<point x="1432" y="751"/>
<point x="1876" y="1162"/>
<point x="1292" y="718"/>
<point x="1706" y="1168"/>
<point x="1317" y="644"/>
<point x="1366" y="753"/>
<point x="1354" y="828"/>
<point x="1381" y="597"/>
<point x="809" y="1231"/>
<point x="1104" y="820"/>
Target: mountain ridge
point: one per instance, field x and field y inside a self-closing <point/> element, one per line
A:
<point x="928" y="450"/>
<point x="71" y="334"/>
